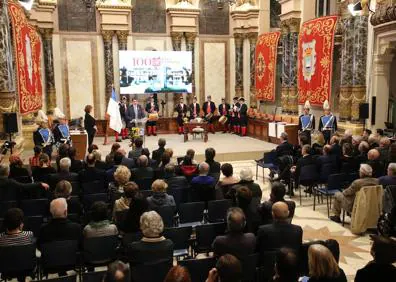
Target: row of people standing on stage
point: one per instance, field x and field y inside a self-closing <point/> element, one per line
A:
<point x="232" y="117"/>
<point x="327" y="122"/>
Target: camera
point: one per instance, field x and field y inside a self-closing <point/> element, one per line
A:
<point x="7" y="145"/>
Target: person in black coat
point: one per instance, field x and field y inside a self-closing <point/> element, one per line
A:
<point x="91" y="173"/>
<point x="152" y="108"/>
<point x="243" y="118"/>
<point x="90" y="124"/>
<point x="209" y="109"/>
<point x="143" y="170"/>
<point x="76" y="165"/>
<point x="181" y="110"/>
<point x="305" y="160"/>
<point x="64" y="173"/>
<point x="214" y="166"/>
<point x="284" y="148"/>
<point x="235" y="107"/>
<point x="157" y="154"/>
<point x="279" y="234"/>
<point x="194" y="109"/>
<point x="349" y="164"/>
<point x="134" y="112"/>
<point x="123" y="106"/>
<point x="174" y="181"/>
<point x="224" y="110"/>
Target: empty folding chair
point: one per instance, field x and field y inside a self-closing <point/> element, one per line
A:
<point x="205" y="235"/>
<point x="309" y="177"/>
<point x="35" y="207"/>
<point x="96" y="276"/>
<point x="180" y="236"/>
<point x="268" y="161"/>
<point x="100" y="251"/>
<point x="180" y="195"/>
<point x="191" y="214"/>
<point x="167" y="213"/>
<point x="217" y="210"/>
<point x="334" y="185"/>
<point x="198" y="268"/>
<point x="18" y="261"/>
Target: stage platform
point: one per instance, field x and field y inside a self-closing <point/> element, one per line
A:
<point x="229" y="147"/>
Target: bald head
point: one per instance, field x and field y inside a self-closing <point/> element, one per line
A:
<point x="121" y="151"/>
<point x="58" y="208"/>
<point x="143" y="161"/>
<point x="280" y="211"/>
<point x="203" y="168"/>
<point x="373" y="154"/>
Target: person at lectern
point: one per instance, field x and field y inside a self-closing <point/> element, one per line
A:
<point x="306" y="122"/>
<point x="209" y="108"/>
<point x="327" y="123"/>
<point x="61" y="130"/>
<point x="43" y="137"/>
<point x="90" y="124"/>
<point x="181" y="110"/>
<point x="243" y="118"/>
<point x="152" y="110"/>
<point x="123" y="109"/>
<point x="195" y="109"/>
<point x="134" y="113"/>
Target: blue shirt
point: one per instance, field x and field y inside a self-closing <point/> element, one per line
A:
<point x="203" y="179"/>
<point x="387" y="180"/>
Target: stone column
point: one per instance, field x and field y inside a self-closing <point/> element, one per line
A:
<point x="359" y="65"/>
<point x="345" y="99"/>
<point x="46" y="34"/>
<point x="253" y="41"/>
<point x="190" y="46"/>
<point x="239" y="37"/>
<point x="285" y="66"/>
<point x="122" y="36"/>
<point x="176" y="40"/>
<point x="108" y="61"/>
<point x="294" y="25"/>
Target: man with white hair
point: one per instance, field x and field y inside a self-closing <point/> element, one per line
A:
<point x="63" y="174"/>
<point x="143" y="171"/>
<point x="284" y="148"/>
<point x="345" y="199"/>
<point x="60" y="228"/>
<point x="390" y="178"/>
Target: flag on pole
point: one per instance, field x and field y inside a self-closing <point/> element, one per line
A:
<point x="113" y="111"/>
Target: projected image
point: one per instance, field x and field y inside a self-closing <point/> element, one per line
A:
<point x="153" y="72"/>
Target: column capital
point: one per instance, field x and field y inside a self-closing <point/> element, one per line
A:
<point x="46" y="33"/>
<point x="122" y="35"/>
<point x="252" y="36"/>
<point x="284" y="27"/>
<point x="176" y="35"/>
<point x="239" y="37"/>
<point x="107" y="35"/>
<point x="190" y="36"/>
<point x="294" y="24"/>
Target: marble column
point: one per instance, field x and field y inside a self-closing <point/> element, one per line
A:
<point x="345" y="98"/>
<point x="50" y="95"/>
<point x="176" y="40"/>
<point x="294" y="26"/>
<point x="122" y="36"/>
<point x="239" y="37"/>
<point x="285" y="66"/>
<point x="190" y="46"/>
<point x="253" y="41"/>
<point x="359" y="65"/>
<point x="108" y="61"/>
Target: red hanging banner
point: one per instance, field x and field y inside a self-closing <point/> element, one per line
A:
<point x="315" y="60"/>
<point x="266" y="55"/>
<point x="27" y="46"/>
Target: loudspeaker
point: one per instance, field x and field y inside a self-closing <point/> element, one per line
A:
<point x="364" y="111"/>
<point x="373" y="108"/>
<point x="10" y="122"/>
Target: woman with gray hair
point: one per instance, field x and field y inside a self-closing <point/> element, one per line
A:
<point x="153" y="248"/>
<point x="246" y="176"/>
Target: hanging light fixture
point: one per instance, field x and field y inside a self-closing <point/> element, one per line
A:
<point x="221" y="3"/>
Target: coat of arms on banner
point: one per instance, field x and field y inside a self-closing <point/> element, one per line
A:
<point x="309" y="59"/>
<point x="261" y="66"/>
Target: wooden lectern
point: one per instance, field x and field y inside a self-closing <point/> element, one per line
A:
<point x="80" y="142"/>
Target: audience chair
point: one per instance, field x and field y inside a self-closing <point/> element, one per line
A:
<point x="18" y="261"/>
<point x="325" y="171"/>
<point x="76" y="188"/>
<point x="70" y="278"/>
<point x="153" y="272"/>
<point x="129" y="238"/>
<point x="250" y="268"/>
<point x="168" y="214"/>
<point x="33" y="223"/>
<point x="88" y="200"/>
<point x="349" y="178"/>
<point x="120" y="216"/>
<point x="191" y="214"/>
<point x="217" y="210"/>
<point x="5" y="206"/>
<point x="100" y="251"/>
<point x="24" y="179"/>
<point x="180" y="236"/>
<point x="268" y="161"/>
<point x="146" y="193"/>
<point x="180" y="195"/>
<point x="203" y="192"/>
<point x="144" y="183"/>
<point x="95" y="276"/>
<point x="334" y="185"/>
<point x="93" y="187"/>
<point x="205" y="235"/>
<point x="35" y="207"/>
<point x="309" y="177"/>
<point x="198" y="268"/>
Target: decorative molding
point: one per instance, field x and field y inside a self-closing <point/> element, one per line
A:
<point x="110" y="4"/>
<point x="293" y="24"/>
<point x="107" y="35"/>
<point x="239" y="37"/>
<point x="122" y="35"/>
<point x="46" y="33"/>
<point x="384" y="13"/>
<point x="190" y="36"/>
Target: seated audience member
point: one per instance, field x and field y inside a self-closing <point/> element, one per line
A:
<point x="35" y="160"/>
<point x="317" y="143"/>
<point x="383" y="148"/>
<point x="63" y="189"/>
<point x="366" y="134"/>
<point x="356" y="140"/>
<point x="326" y="158"/>
<point x="305" y="160"/>
<point x="280" y="233"/>
<point x="76" y="165"/>
<point x="390" y="178"/>
<point x="63" y="152"/>
<point x="160" y="198"/>
<point x="286" y="266"/>
<point x="348" y="163"/>
<point x="99" y="164"/>
<point x="143" y="170"/>
<point x="91" y="173"/>
<point x="129" y="163"/>
<point x="16" y="168"/>
<point x="63" y="174"/>
<point x="59" y="228"/>
<point x="137" y="151"/>
<point x="14" y="234"/>
<point x="392" y="153"/>
<point x="187" y="168"/>
<point x="380" y="268"/>
<point x="373" y="141"/>
<point x="228" y="269"/>
<point x="203" y="184"/>
<point x="117" y="159"/>
<point x="122" y="175"/>
<point x="323" y="266"/>
<point x="336" y="149"/>
<point x="284" y="148"/>
<point x="235" y="242"/>
<point x="109" y="160"/>
<point x="153" y="247"/>
<point x="174" y="181"/>
<point x="347" y="138"/>
<point x="224" y="186"/>
<point x="157" y="154"/>
<point x="363" y="151"/>
<point x="137" y="207"/>
<point x="100" y="225"/>
<point x="152" y="163"/>
<point x="278" y="192"/>
<point x="214" y="167"/>
<point x="375" y="163"/>
<point x="117" y="272"/>
<point x="41" y="173"/>
<point x="345" y="199"/>
<point x="246" y="179"/>
<point x="169" y="151"/>
<point x="122" y="204"/>
<point x="244" y="200"/>
<point x="191" y="154"/>
<point x="165" y="159"/>
<point x="11" y="190"/>
<point x="178" y="274"/>
<point x="302" y="140"/>
<point x="92" y="148"/>
<point x="379" y="133"/>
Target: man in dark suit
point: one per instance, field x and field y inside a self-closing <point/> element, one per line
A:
<point x="224" y="111"/>
<point x="129" y="163"/>
<point x="209" y="109"/>
<point x="279" y="234"/>
<point x="194" y="109"/>
<point x="243" y="118"/>
<point x="157" y="154"/>
<point x="235" y="242"/>
<point x="349" y="164"/>
<point x="91" y="173"/>
<point x="63" y="174"/>
<point x="143" y="170"/>
<point x="284" y="148"/>
<point x="133" y="113"/>
<point x="59" y="228"/>
<point x="305" y="160"/>
<point x="173" y="180"/>
<point x="326" y="158"/>
<point x="376" y="164"/>
<point x="390" y="178"/>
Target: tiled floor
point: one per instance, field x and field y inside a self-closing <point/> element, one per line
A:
<point x="354" y="250"/>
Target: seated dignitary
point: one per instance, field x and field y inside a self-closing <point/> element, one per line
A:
<point x="390" y="178"/>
